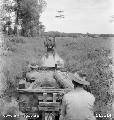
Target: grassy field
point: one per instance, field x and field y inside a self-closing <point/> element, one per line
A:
<point x="87" y="55"/>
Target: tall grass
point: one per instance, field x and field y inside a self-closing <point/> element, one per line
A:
<point x="92" y="57"/>
<point x="84" y="55"/>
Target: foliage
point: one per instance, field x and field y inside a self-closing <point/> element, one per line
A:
<point x="27" y="14"/>
<point x="6" y="8"/>
<point x="19" y="55"/>
<point x="95" y="63"/>
<point x="30" y="12"/>
<point x="86" y="55"/>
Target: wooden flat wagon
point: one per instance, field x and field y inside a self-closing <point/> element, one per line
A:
<point x="42" y="103"/>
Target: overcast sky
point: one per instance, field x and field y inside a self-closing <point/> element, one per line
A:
<point x="81" y="16"/>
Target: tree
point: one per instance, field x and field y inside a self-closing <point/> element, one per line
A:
<point x="41" y="29"/>
<point x="29" y="12"/>
<point x="7" y="7"/>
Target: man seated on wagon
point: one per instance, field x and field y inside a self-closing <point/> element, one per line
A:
<point x="78" y="104"/>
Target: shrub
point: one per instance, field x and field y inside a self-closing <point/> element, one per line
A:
<point x="95" y="64"/>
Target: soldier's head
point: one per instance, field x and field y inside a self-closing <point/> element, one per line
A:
<point x="49" y="43"/>
<point x="79" y="81"/>
<point x="76" y="84"/>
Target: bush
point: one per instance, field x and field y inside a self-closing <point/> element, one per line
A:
<point x="17" y="40"/>
<point x="95" y="64"/>
<point x="9" y="109"/>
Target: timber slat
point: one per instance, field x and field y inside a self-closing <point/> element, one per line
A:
<point x="49" y="109"/>
<point x="54" y="97"/>
<point x="44" y="97"/>
<point x="43" y="90"/>
<point x="49" y="104"/>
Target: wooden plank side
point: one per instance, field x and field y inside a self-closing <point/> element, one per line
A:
<point x="44" y="97"/>
<point x="46" y="104"/>
<point x="49" y="109"/>
<point x="48" y="98"/>
<point x="54" y="97"/>
<point x="43" y="90"/>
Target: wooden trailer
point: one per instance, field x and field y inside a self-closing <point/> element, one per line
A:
<point x="42" y="103"/>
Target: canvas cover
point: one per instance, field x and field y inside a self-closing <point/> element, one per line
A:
<point x="42" y="79"/>
<point x="64" y="79"/>
<point x="55" y="79"/>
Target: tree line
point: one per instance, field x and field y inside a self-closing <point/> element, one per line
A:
<point x="62" y="34"/>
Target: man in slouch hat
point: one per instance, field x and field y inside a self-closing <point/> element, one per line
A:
<point x="78" y="104"/>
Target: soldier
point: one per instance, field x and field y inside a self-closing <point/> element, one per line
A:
<point x="78" y="104"/>
<point x="51" y="58"/>
<point x="50" y="43"/>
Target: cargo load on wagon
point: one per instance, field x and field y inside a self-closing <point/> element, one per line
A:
<point x="40" y="93"/>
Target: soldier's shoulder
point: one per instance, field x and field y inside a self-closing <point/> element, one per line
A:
<point x="67" y="95"/>
<point x="90" y="95"/>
